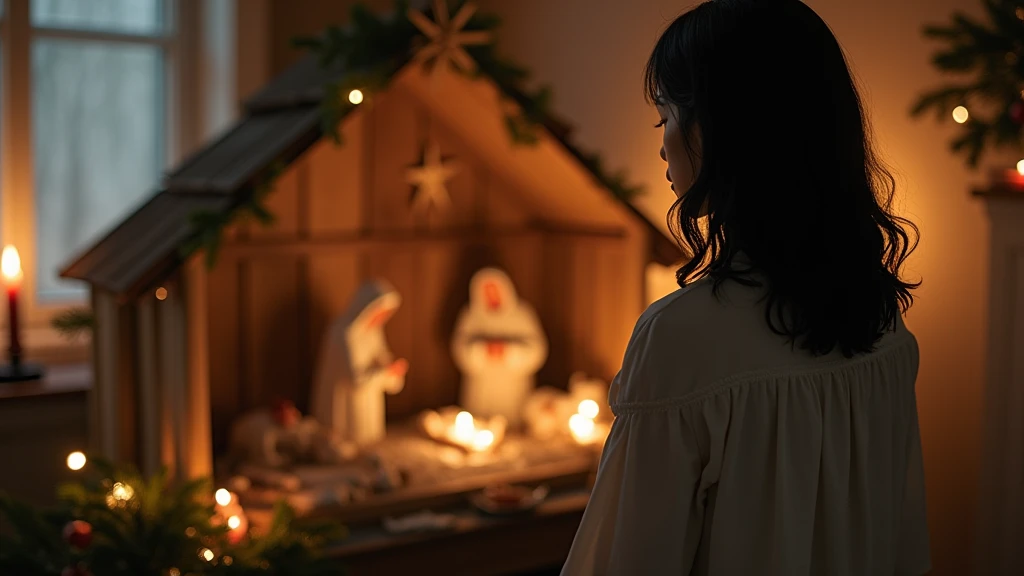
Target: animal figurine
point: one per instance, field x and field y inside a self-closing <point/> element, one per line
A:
<point x="356" y="369"/>
<point x="498" y="346"/>
<point x="279" y="437"/>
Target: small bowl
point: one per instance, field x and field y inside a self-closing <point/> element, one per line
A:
<point x="501" y="499"/>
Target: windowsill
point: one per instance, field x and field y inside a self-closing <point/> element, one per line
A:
<point x="57" y="380"/>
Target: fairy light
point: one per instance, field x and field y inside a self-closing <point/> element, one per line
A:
<point x="1020" y="167"/>
<point x="206" y="554"/>
<point x="76" y="460"/>
<point x="234" y="522"/>
<point x="960" y="114"/>
<point x="161" y="293"/>
<point x="355" y="97"/>
<point x="223" y="497"/>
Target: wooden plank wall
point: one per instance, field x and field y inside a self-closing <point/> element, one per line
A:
<point x="343" y="216"/>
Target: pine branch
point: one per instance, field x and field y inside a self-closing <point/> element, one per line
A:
<point x="74" y="322"/>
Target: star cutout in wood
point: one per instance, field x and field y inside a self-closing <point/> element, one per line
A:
<point x="446" y="39"/>
<point x="429" y="179"/>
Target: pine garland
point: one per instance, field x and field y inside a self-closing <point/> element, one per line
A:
<point x="368" y="53"/>
<point x="372" y="49"/>
<point x="152" y="528"/>
<point x="989" y="59"/>
<point x="73" y="322"/>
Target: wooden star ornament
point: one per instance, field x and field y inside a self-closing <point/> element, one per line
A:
<point x="429" y="179"/>
<point x="446" y="39"/>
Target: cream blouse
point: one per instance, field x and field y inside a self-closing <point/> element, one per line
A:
<point x="732" y="454"/>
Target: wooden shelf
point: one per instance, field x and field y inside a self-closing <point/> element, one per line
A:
<point x="478" y="543"/>
<point x="57" y="379"/>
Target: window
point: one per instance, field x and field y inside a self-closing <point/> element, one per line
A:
<point x="98" y="122"/>
<point x="92" y="115"/>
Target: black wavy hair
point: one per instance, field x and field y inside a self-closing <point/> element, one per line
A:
<point x="786" y="172"/>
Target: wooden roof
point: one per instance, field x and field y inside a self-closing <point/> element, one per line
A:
<point x="281" y="121"/>
<point x="143" y="249"/>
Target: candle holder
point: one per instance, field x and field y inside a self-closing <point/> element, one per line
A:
<point x="20" y="371"/>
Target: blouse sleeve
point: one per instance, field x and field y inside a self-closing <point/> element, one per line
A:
<point x="646" y="511"/>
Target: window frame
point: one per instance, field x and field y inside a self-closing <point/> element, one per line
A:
<point x="17" y="198"/>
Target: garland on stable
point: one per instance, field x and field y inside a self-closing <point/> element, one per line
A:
<point x="989" y="98"/>
<point x="370" y="51"/>
<point x="114" y="522"/>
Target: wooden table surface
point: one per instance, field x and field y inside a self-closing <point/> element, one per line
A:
<point x="478" y="545"/>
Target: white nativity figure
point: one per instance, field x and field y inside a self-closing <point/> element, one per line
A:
<point x="356" y="369"/>
<point x="498" y="346"/>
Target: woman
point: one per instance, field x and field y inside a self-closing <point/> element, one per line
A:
<point x="766" y="420"/>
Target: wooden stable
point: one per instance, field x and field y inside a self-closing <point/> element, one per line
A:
<point x="180" y="350"/>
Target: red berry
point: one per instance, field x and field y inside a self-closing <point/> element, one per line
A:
<point x="1017" y="112"/>
<point x="78" y="533"/>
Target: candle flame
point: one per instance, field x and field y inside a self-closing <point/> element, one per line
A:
<point x="589" y="409"/>
<point x="582" y="428"/>
<point x="10" y="263"/>
<point x="465" y="428"/>
<point x="482" y="440"/>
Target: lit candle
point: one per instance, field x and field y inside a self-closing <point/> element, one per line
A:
<point x="464" y="429"/>
<point x="582" y="424"/>
<point x="10" y="266"/>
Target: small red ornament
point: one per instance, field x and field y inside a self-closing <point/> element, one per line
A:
<point x="78" y="533"/>
<point x="1017" y="112"/>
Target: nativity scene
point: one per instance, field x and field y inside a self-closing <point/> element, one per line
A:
<point x="432" y="315"/>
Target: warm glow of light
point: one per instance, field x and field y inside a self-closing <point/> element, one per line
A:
<point x="10" y="263"/>
<point x="76" y="460"/>
<point x="206" y="554"/>
<point x="173" y="572"/>
<point x="464" y="429"/>
<point x="960" y="114"/>
<point x="222" y="496"/>
<point x="355" y="96"/>
<point x="234" y="522"/>
<point x="161" y="293"/>
<point x="1020" y="167"/>
<point x="589" y="409"/>
<point x="122" y="492"/>
<point x="582" y="428"/>
<point x="482" y="440"/>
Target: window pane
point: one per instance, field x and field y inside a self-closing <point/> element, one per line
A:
<point x="124" y="16"/>
<point x="98" y="133"/>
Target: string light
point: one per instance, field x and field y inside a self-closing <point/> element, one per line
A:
<point x="355" y="96"/>
<point x="223" y="497"/>
<point x="161" y="293"/>
<point x="206" y="554"/>
<point x="76" y="460"/>
<point x="234" y="522"/>
<point x="960" y="114"/>
<point x="1020" y="167"/>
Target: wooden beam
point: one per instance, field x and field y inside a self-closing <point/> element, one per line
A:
<point x="193" y="286"/>
<point x="321" y="244"/>
<point x="113" y="397"/>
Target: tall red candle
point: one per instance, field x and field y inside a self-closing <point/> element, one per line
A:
<point x="10" y="266"/>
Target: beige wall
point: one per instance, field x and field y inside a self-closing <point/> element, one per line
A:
<point x="592" y="51"/>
